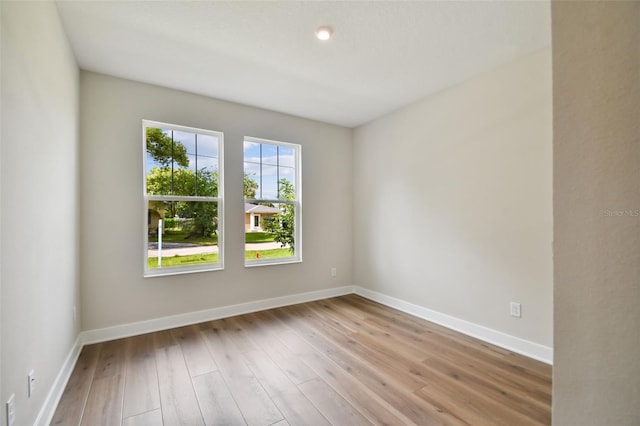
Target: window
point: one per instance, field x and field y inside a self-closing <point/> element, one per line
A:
<point x="272" y="194"/>
<point x="182" y="199"/>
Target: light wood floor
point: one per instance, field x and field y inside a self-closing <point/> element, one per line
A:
<point x="340" y="361"/>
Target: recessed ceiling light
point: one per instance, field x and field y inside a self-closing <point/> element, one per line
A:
<point x="324" y="33"/>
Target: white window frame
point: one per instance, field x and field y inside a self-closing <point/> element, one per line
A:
<point x="155" y="272"/>
<point x="297" y="235"/>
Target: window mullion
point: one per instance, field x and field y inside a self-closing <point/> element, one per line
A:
<point x="195" y="175"/>
<point x="260" y="170"/>
<point x="172" y="160"/>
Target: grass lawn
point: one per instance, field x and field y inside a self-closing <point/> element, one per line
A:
<point x="267" y="254"/>
<point x="258" y="237"/>
<point x="192" y="259"/>
<point x="183" y="237"/>
<point x="199" y="259"/>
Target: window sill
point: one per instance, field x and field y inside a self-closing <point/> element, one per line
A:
<point x="162" y="272"/>
<point x="254" y="263"/>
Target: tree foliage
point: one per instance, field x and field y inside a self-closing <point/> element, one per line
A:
<point x="163" y="149"/>
<point x="204" y="215"/>
<point x="282" y="225"/>
<point x="184" y="182"/>
<point x="250" y="187"/>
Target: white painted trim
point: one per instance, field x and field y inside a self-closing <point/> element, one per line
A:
<point x="498" y="338"/>
<point x="165" y="323"/>
<point x="506" y="341"/>
<point x="45" y="416"/>
<point x="161" y="272"/>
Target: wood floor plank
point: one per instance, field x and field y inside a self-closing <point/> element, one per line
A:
<point x="330" y="317"/>
<point x="359" y="324"/>
<point x="216" y="402"/>
<point x="419" y="326"/>
<point x="486" y="378"/>
<point x="473" y="408"/>
<point x="262" y="332"/>
<point x="444" y="347"/>
<point x="504" y="395"/>
<point x="344" y="360"/>
<point x="104" y="404"/>
<point x="196" y="354"/>
<point x="346" y="308"/>
<point x="378" y="374"/>
<point x="291" y="402"/>
<point x="234" y="329"/>
<point x="164" y="339"/>
<point x="141" y="392"/>
<point x="177" y="396"/>
<point x="382" y="359"/>
<point x="255" y="404"/>
<point x="111" y="361"/>
<point x="150" y="418"/>
<point x="422" y="327"/>
<point x="74" y="398"/>
<point x="424" y="333"/>
<point x="331" y="404"/>
<point x="363" y="399"/>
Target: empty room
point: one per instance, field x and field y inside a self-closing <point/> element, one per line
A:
<point x="320" y="212"/>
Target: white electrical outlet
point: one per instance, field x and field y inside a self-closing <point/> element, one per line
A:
<point x="515" y="309"/>
<point x="334" y="271"/>
<point x="11" y="410"/>
<point x="31" y="385"/>
<point x="75" y="314"/>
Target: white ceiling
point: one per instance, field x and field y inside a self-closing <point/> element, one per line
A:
<point x="384" y="54"/>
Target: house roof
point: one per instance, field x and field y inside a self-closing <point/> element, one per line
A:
<point x="255" y="208"/>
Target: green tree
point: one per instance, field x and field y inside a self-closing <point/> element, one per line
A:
<point x="163" y="149"/>
<point x="203" y="213"/>
<point x="180" y="181"/>
<point x="164" y="181"/>
<point x="250" y="187"/>
<point x="204" y="216"/>
<point x="282" y="225"/>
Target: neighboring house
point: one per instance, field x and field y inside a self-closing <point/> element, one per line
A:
<point x="154" y="214"/>
<point x="255" y="214"/>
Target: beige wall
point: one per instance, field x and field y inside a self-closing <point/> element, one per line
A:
<point x="596" y="79"/>
<point x="457" y="190"/>
<point x="114" y="291"/>
<point x="39" y="202"/>
<point x="457" y="194"/>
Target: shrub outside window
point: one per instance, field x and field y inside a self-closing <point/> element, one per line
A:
<point x="273" y="202"/>
<point x="182" y="183"/>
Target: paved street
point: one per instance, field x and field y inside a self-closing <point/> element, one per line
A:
<point x="181" y="249"/>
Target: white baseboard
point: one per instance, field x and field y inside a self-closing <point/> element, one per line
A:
<point x="165" y="323"/>
<point x="512" y="343"/>
<point x="48" y="409"/>
<point x="498" y="338"/>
